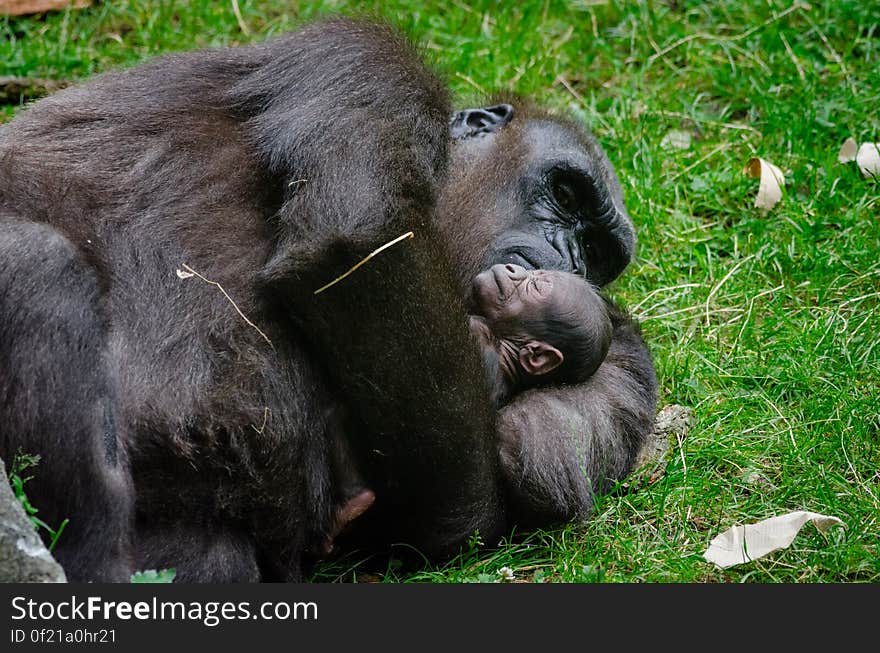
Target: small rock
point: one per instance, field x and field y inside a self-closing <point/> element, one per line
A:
<point x="23" y="556"/>
<point x="671" y="423"/>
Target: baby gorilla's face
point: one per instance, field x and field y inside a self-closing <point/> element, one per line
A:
<point x="508" y="295"/>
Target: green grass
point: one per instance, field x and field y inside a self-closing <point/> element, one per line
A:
<point x="767" y="325"/>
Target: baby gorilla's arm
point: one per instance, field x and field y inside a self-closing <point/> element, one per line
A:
<point x="502" y="382"/>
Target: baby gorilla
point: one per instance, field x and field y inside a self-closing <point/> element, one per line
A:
<point x="537" y="327"/>
<point x="533" y="327"/>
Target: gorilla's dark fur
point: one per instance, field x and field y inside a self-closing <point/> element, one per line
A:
<point x="172" y="434"/>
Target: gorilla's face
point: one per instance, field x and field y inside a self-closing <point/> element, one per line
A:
<point x="546" y="187"/>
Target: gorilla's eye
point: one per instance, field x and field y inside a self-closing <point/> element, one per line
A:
<point x="575" y="193"/>
<point x="569" y="190"/>
<point x="565" y="196"/>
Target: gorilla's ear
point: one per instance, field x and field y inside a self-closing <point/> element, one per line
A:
<point x="474" y="122"/>
<point x="538" y="358"/>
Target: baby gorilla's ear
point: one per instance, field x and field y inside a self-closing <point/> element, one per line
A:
<point x="538" y="358"/>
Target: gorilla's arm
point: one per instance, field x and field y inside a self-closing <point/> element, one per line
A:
<point x="361" y="157"/>
<point x="561" y="446"/>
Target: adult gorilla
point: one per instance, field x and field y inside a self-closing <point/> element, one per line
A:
<point x="185" y="421"/>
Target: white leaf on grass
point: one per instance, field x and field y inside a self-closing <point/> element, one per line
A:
<point x="868" y="159"/>
<point x="184" y="275"/>
<point x="772" y="181"/>
<point x="676" y="140"/>
<point x="848" y="150"/>
<point x="740" y="544"/>
<point x="866" y="156"/>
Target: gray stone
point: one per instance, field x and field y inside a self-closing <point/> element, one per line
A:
<point x="23" y="556"/>
<point x="670" y="426"/>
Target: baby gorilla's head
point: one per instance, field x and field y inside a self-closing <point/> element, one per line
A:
<point x="548" y="325"/>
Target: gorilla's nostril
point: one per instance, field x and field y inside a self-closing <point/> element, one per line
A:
<point x="510" y="267"/>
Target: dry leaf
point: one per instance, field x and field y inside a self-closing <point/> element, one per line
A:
<point x="741" y="544"/>
<point x="772" y="181"/>
<point x="21" y="7"/>
<point x="868" y="159"/>
<point x="866" y="156"/>
<point x="676" y="140"/>
<point x="848" y="150"/>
